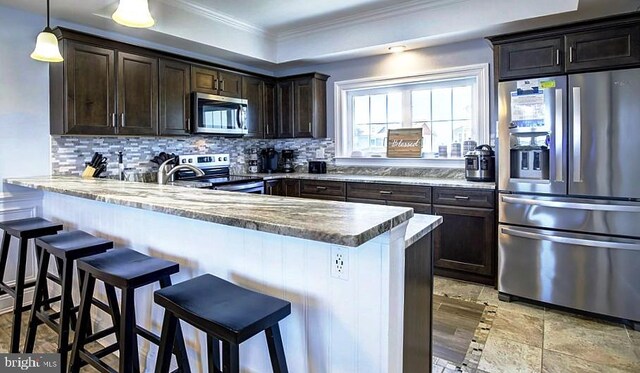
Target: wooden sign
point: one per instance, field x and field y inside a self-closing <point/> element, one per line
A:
<point x="404" y="143"/>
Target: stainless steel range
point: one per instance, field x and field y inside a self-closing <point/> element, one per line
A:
<point x="569" y="205"/>
<point x="216" y="174"/>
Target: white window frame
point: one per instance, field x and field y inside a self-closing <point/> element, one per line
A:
<point x="344" y="132"/>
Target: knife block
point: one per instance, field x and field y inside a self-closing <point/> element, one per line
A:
<point x="88" y="172"/>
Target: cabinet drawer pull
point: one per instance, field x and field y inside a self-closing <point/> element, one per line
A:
<point x="222" y="85"/>
<point x="558" y="57"/>
<point x="464" y="198"/>
<point x="321" y="188"/>
<point x="570" y="54"/>
<point x="215" y="84"/>
<point x="387" y="192"/>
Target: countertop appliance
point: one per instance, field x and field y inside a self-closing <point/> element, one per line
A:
<point x="270" y="159"/>
<point x="219" y="115"/>
<point x="569" y="201"/>
<point x="216" y="174"/>
<point x="287" y="161"/>
<point x="480" y="164"/>
<point x="317" y="167"/>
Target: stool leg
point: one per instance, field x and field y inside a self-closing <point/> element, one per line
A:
<point x="128" y="336"/>
<point x="213" y="354"/>
<point x="276" y="350"/>
<point x="167" y="338"/>
<point x="60" y="264"/>
<point x="230" y="358"/>
<point x="115" y="311"/>
<point x="84" y="319"/>
<point x="45" y="294"/>
<point x="66" y="303"/>
<point x="4" y="252"/>
<point x="34" y="322"/>
<point x="74" y="324"/>
<point x="179" y="348"/>
<point x="17" y="304"/>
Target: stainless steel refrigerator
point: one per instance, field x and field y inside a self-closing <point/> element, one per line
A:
<point x="569" y="183"/>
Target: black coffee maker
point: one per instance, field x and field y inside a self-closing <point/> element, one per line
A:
<point x="270" y="158"/>
<point x="287" y="161"/>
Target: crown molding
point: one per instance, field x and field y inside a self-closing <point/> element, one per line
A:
<point x="219" y="17"/>
<point x="363" y="17"/>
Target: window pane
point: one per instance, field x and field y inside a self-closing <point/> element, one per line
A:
<point x="461" y="130"/>
<point x="421" y="105"/>
<point x="426" y="135"/>
<point x="441" y="103"/>
<point x="378" y="134"/>
<point x="379" y="109"/>
<point x="361" y="137"/>
<point x="360" y="109"/>
<point x="462" y="102"/>
<point x="441" y="134"/>
<point x="395" y="107"/>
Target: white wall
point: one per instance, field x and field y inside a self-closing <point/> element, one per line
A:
<point x="415" y="61"/>
<point x="24" y="97"/>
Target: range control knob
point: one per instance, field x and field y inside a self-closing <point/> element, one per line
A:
<point x="184" y="161"/>
<point x="190" y="160"/>
<point x="225" y="158"/>
<point x="219" y="159"/>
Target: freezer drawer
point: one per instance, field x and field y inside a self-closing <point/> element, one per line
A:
<point x="585" y="272"/>
<point x="573" y="214"/>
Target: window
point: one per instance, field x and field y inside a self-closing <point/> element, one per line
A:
<point x="450" y="106"/>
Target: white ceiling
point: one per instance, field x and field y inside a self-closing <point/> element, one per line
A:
<point x="270" y="33"/>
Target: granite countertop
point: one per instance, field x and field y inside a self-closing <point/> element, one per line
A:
<point x="419" y="226"/>
<point x="349" y="224"/>
<point x="423" y="181"/>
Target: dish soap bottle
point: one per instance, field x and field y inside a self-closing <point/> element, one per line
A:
<point x="120" y="166"/>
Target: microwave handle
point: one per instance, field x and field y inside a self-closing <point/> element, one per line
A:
<point x="241" y="116"/>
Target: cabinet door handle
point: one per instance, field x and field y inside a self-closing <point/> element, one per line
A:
<point x="215" y="84"/>
<point x="386" y="192"/>
<point x="321" y="188"/>
<point x="464" y="198"/>
<point x="113" y="120"/>
<point x="188" y="123"/>
<point x="267" y="128"/>
<point x="570" y="54"/>
<point x="558" y="57"/>
<point x="122" y="122"/>
<point x="309" y="126"/>
<point x="222" y="85"/>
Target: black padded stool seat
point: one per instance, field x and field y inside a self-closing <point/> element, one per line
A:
<point x="23" y="230"/>
<point x="128" y="270"/>
<point x="226" y="312"/>
<point x="65" y="247"/>
<point x="30" y="227"/>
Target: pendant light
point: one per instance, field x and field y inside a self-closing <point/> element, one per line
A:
<point x="47" y="45"/>
<point x="133" y="13"/>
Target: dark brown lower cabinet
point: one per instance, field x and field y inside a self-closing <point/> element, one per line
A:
<point x="290" y="188"/>
<point x="273" y="187"/>
<point x="464" y="245"/>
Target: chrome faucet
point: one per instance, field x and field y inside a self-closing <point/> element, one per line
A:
<point x="164" y="175"/>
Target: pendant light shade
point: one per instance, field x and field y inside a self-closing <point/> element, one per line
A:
<point x="133" y="13"/>
<point x="47" y="45"/>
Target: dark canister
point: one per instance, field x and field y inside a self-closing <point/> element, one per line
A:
<point x="480" y="164"/>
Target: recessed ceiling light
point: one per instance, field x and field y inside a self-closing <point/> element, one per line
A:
<point x="397" y="48"/>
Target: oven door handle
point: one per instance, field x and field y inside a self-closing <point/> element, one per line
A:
<point x="571" y="205"/>
<point x="248" y="187"/>
<point x="570" y="240"/>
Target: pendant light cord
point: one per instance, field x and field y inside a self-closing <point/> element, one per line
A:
<point x="48" y="14"/>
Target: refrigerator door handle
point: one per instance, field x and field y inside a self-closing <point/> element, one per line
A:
<point x="558" y="136"/>
<point x="570" y="240"/>
<point x="577" y="137"/>
<point x="571" y="205"/>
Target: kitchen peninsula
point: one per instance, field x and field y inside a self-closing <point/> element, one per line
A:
<point x="347" y="319"/>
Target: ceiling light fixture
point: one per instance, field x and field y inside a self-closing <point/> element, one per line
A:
<point x="397" y="49"/>
<point x="133" y="13"/>
<point x="47" y="45"/>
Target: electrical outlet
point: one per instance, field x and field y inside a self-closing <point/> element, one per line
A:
<point x="339" y="263"/>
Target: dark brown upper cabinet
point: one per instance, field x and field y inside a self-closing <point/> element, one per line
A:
<point x="270" y="113"/>
<point x="302" y="106"/>
<point x="592" y="45"/>
<point x="216" y="82"/>
<point x="83" y="91"/>
<point x="137" y="94"/>
<point x="603" y="48"/>
<point x="253" y="92"/>
<point x="531" y="58"/>
<point x="175" y="98"/>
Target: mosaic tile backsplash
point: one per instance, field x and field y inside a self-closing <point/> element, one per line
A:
<point x="69" y="154"/>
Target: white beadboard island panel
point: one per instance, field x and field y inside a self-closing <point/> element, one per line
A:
<point x="336" y="325"/>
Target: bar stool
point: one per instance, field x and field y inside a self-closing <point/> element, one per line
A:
<point x="23" y="230"/>
<point x="127" y="270"/>
<point x="225" y="312"/>
<point x="66" y="248"/>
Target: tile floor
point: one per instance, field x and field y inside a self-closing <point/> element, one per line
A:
<point x="532" y="339"/>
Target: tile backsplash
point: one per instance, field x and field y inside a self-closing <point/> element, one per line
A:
<point x="69" y="154"/>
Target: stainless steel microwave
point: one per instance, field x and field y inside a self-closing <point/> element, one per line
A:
<point x="219" y="115"/>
